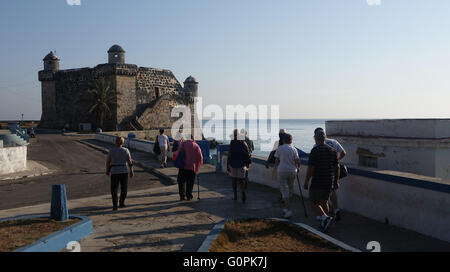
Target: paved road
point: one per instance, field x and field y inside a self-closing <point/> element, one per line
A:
<point x="80" y="167"/>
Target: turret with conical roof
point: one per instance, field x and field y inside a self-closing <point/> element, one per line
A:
<point x="191" y="85"/>
<point x="51" y="62"/>
<point x="116" y="54"/>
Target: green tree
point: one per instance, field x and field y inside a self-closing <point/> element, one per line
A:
<point x="102" y="98"/>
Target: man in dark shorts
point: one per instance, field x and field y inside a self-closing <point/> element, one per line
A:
<point x="323" y="167"/>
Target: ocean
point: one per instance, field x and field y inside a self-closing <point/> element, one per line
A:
<point x="302" y="131"/>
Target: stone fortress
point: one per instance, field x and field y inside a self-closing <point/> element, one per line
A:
<point x="145" y="96"/>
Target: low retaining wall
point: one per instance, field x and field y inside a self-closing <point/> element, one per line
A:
<point x="412" y="203"/>
<point x="149" y="135"/>
<point x="140" y="145"/>
<point x="13" y="159"/>
<point x="147" y="146"/>
<point x="58" y="240"/>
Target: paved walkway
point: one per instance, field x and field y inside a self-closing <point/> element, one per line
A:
<point x="155" y="219"/>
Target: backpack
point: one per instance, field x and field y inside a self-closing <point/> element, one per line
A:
<point x="179" y="161"/>
<point x="156" y="148"/>
<point x="343" y="172"/>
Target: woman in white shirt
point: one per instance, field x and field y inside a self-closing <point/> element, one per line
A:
<point x="164" y="145"/>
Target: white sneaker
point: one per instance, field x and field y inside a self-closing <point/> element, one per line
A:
<point x="287" y="214"/>
<point x="326" y="223"/>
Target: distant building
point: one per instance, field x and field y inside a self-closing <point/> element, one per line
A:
<point x="145" y="96"/>
<point x="419" y="146"/>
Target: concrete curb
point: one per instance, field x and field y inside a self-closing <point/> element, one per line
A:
<point x="150" y="169"/>
<point x="58" y="240"/>
<point x="212" y="236"/>
<point x="27" y="176"/>
<point x="322" y="235"/>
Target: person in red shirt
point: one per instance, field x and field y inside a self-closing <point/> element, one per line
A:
<point x="192" y="160"/>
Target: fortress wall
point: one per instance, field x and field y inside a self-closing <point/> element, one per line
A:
<point x="126" y="102"/>
<point x="71" y="105"/>
<point x="48" y="96"/>
<point x="159" y="116"/>
<point x="148" y="78"/>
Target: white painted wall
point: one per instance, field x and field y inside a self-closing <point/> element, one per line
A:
<point x="443" y="162"/>
<point x="415" y="146"/>
<point x="411" y="156"/>
<point x="422" y="210"/>
<point x="13" y="159"/>
<point x="406" y="128"/>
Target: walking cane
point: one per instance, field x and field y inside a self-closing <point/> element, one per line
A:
<point x="198" y="187"/>
<point x="301" y="194"/>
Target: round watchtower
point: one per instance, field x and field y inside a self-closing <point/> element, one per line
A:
<point x="191" y="85"/>
<point x="116" y="54"/>
<point x="51" y="62"/>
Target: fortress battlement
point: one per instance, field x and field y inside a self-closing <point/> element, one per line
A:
<point x="65" y="94"/>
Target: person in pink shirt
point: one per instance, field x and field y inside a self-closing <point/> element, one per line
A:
<point x="192" y="160"/>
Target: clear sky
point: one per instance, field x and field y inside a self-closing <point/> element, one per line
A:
<point x="315" y="58"/>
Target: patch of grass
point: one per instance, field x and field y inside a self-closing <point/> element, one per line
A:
<point x="15" y="234"/>
<point x="264" y="235"/>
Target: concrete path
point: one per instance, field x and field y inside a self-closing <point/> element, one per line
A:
<point x="155" y="219"/>
<point x="79" y="167"/>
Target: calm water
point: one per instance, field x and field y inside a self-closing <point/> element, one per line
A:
<point x="302" y="131"/>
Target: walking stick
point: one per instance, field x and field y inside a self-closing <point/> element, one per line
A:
<point x="198" y="186"/>
<point x="301" y="194"/>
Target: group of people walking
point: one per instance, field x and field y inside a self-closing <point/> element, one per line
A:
<point x="321" y="179"/>
<point x="322" y="175"/>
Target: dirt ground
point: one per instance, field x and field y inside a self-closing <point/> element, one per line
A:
<point x="261" y="235"/>
<point x="20" y="233"/>
<point x="80" y="168"/>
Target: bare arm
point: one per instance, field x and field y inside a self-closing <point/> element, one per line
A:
<point x="130" y="165"/>
<point x="336" y="176"/>
<point x="341" y="155"/>
<point x="309" y="174"/>
<point x="277" y="162"/>
<point x="297" y="163"/>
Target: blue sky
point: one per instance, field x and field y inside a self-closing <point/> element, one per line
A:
<point x="315" y="58"/>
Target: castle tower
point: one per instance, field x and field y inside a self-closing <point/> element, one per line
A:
<point x="116" y="54"/>
<point x="191" y="86"/>
<point x="48" y="91"/>
<point x="51" y="62"/>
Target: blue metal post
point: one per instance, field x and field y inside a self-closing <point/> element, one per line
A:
<point x="59" y="210"/>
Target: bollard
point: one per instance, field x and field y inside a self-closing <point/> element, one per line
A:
<point x="59" y="210"/>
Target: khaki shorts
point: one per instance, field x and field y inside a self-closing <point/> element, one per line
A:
<point x="163" y="155"/>
<point x="286" y="180"/>
<point x="238" y="172"/>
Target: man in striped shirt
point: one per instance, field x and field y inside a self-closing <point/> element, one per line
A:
<point x="323" y="168"/>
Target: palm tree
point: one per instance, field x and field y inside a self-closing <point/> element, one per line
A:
<point x="103" y="99"/>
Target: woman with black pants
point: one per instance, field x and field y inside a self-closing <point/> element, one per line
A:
<point x="116" y="166"/>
